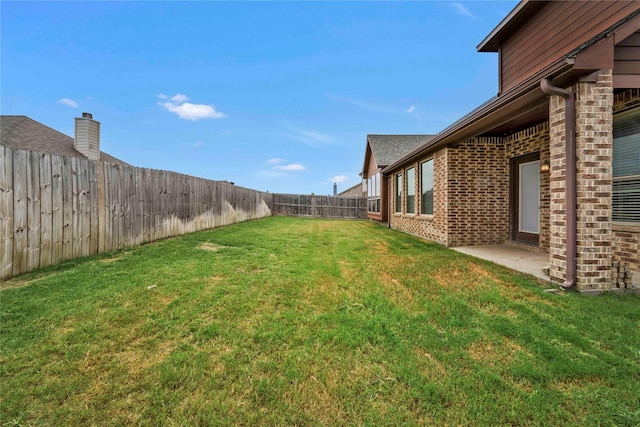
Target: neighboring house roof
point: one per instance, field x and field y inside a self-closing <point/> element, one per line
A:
<point x="355" y="190"/>
<point x="24" y="133"/>
<point x="387" y="149"/>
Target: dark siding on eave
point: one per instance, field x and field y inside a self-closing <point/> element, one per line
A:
<point x="627" y="56"/>
<point x="554" y="32"/>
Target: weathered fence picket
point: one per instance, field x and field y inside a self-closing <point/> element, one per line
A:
<point x="6" y="213"/>
<point x="55" y="208"/>
<point x="20" y="211"/>
<point x="57" y="218"/>
<point x="320" y="206"/>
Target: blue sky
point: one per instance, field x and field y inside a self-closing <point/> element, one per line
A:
<point x="275" y="96"/>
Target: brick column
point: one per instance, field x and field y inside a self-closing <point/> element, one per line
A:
<point x="594" y="146"/>
<point x="557" y="184"/>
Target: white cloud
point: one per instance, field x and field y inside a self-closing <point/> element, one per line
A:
<point x="411" y="109"/>
<point x="461" y="9"/>
<point x="68" y="102"/>
<point x="339" y="179"/>
<point x="290" y="167"/>
<point x="275" y="161"/>
<point x="178" y="98"/>
<point x="188" y="111"/>
<point x="193" y="112"/>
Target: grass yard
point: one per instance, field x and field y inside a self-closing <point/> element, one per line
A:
<point x="288" y="321"/>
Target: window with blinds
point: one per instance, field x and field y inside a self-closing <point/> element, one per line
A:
<point x="626" y="166"/>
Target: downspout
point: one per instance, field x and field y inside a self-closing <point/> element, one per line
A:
<point x="389" y="192"/>
<point x="570" y="161"/>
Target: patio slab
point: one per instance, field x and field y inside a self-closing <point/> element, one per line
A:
<point x="518" y="259"/>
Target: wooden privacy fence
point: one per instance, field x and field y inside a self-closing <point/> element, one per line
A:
<point x="55" y="208"/>
<point x="320" y="206"/>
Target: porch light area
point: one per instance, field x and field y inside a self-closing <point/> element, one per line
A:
<point x="545" y="165"/>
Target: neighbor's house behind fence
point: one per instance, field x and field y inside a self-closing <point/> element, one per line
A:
<point x="355" y="191"/>
<point x="62" y="198"/>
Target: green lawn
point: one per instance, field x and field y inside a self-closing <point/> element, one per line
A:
<point x="289" y="321"/>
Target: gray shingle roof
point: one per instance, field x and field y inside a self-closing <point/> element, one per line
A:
<point x="24" y="133"/>
<point x="387" y="149"/>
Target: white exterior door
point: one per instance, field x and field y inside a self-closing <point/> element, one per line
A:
<point x="529" y="195"/>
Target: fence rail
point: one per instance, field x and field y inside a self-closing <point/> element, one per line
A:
<point x="320" y="206"/>
<point x="55" y="208"/>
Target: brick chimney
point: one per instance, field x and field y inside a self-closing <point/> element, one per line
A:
<point x="87" y="136"/>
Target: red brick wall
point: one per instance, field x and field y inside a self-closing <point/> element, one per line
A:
<point x="432" y="227"/>
<point x="478" y="193"/>
<point x="471" y="191"/>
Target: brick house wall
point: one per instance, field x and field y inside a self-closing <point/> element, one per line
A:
<point x="478" y="193"/>
<point x="594" y="149"/>
<point x="471" y="191"/>
<point x="432" y="227"/>
<point x="471" y="188"/>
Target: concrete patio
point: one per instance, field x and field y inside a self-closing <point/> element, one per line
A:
<point x="525" y="261"/>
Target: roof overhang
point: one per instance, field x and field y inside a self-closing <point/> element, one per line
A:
<point x="368" y="153"/>
<point x="511" y="23"/>
<point x="523" y="105"/>
<point x="526" y="104"/>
